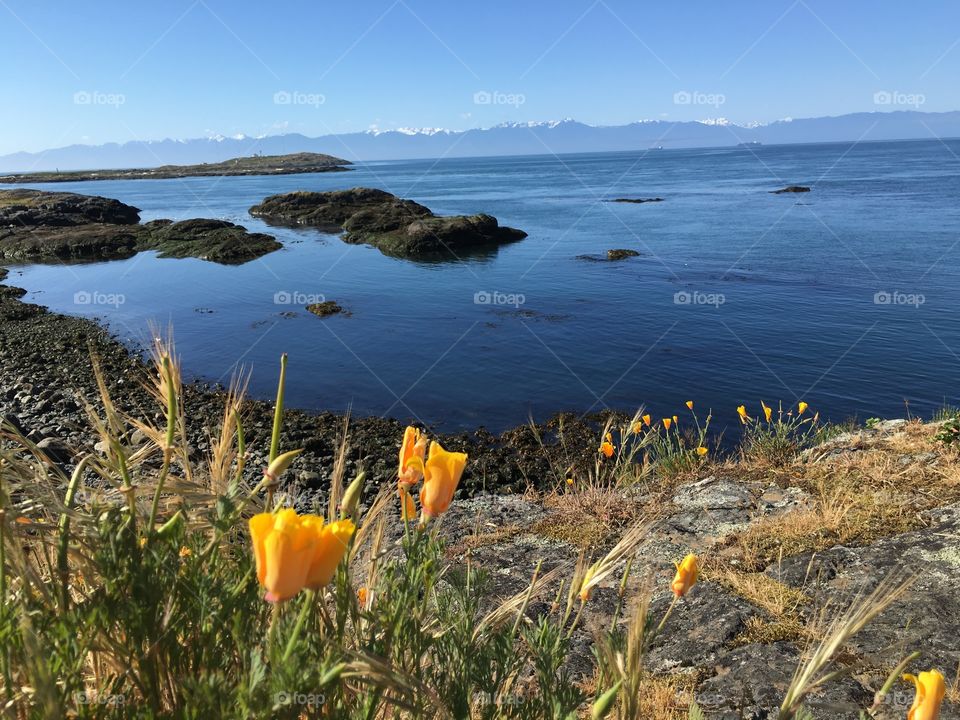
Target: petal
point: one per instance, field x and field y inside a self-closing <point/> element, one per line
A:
<point x="260" y="527"/>
<point x="331" y="545"/>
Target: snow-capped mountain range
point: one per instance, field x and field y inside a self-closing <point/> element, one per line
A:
<point x="513" y="138"/>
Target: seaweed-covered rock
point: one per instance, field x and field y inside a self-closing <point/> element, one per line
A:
<point x="395" y="226"/>
<point x="790" y="189"/>
<point x="613" y="255"/>
<point x="37" y="208"/>
<point x="333" y="209"/>
<point x="325" y="309"/>
<point x="44" y="226"/>
<point x="215" y="240"/>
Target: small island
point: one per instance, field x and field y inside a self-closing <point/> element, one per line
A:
<point x="396" y="227"/>
<point x="293" y="164"/>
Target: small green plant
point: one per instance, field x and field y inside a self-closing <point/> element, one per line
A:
<point x="778" y="437"/>
<point x="949" y="432"/>
<point x="635" y="450"/>
<point x="947" y="412"/>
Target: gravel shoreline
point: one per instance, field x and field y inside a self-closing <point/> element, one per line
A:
<point x="46" y="377"/>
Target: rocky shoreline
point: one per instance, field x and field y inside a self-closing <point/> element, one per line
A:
<point x="38" y="226"/>
<point x="46" y="378"/>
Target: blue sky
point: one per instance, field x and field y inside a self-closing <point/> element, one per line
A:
<point x="119" y="71"/>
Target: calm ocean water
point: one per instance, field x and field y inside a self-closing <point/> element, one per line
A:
<point x="845" y="297"/>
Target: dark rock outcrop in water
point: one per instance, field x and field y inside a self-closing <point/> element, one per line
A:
<point x="215" y="240"/>
<point x="790" y="189"/>
<point x="35" y="208"/>
<point x="613" y="255"/>
<point x="397" y="227"/>
<point x="637" y="201"/>
<point x="325" y="309"/>
<point x="43" y="226"/>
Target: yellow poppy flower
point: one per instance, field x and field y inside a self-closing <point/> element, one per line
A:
<point x="930" y="691"/>
<point x="414" y="446"/>
<point x="646" y="420"/>
<point x="742" y="412"/>
<point x="767" y="411"/>
<point x="331" y="543"/>
<point x="283" y="548"/>
<point x="690" y="404"/>
<point x="667" y="422"/>
<point x="686" y="577"/>
<point x="441" y="475"/>
<point x="801" y="407"/>
<point x="606" y="447"/>
<point x="701" y="451"/>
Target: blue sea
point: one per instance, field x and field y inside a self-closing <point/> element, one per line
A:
<point x="845" y="297"/>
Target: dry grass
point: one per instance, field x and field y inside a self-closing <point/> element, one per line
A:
<point x="879" y="487"/>
<point x="485" y="539"/>
<point x="665" y="697"/>
<point x="773" y="596"/>
<point x="588" y="517"/>
<point x="781" y="604"/>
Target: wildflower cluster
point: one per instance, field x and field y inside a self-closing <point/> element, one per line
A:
<point x="146" y="584"/>
<point x="778" y="436"/>
<point x="668" y="447"/>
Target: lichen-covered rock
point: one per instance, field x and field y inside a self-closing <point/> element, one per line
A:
<point x="750" y="683"/>
<point x="927" y="618"/>
<point x="701" y="628"/>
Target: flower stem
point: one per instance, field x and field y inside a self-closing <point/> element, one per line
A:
<point x="168" y="441"/>
<point x="301" y="619"/>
